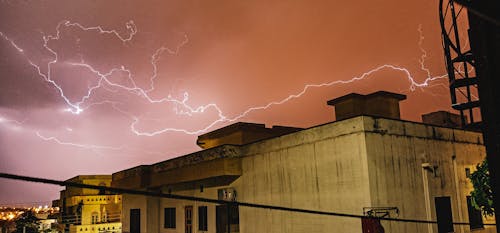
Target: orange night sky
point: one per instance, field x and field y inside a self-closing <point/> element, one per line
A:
<point x="181" y="68"/>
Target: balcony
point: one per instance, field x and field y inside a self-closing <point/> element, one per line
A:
<point x="96" y="228"/>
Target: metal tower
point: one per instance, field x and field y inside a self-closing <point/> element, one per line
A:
<point x="460" y="62"/>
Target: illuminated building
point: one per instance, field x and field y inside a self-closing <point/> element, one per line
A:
<point x="89" y="210"/>
<point x="369" y="161"/>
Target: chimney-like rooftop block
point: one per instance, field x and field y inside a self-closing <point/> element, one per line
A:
<point x="380" y="103"/>
<point x="442" y="118"/>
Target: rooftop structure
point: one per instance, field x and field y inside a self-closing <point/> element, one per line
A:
<point x="241" y="133"/>
<point x="380" y="103"/>
<point x="367" y="159"/>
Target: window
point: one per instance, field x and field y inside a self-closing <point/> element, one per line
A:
<point x="221" y="217"/>
<point x="169" y="218"/>
<point x="202" y="218"/>
<point x="444" y="214"/>
<point x="135" y="220"/>
<point x="104" y="216"/>
<point x="95" y="217"/>
<point x="475" y="218"/>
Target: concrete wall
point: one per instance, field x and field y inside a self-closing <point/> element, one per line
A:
<point x="338" y="167"/>
<point x="180" y="210"/>
<point x="149" y="207"/>
<point x="323" y="168"/>
<point x="397" y="151"/>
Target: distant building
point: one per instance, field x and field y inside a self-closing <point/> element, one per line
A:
<point x="47" y="225"/>
<point x="368" y="162"/>
<point x="89" y="210"/>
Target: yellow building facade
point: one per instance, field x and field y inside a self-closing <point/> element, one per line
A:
<point x="89" y="210"/>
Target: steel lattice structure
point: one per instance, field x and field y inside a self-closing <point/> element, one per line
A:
<point x="460" y="62"/>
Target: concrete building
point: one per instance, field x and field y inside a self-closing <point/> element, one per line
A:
<point x="89" y="210"/>
<point x="369" y="161"/>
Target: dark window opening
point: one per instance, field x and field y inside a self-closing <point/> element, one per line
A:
<point x="475" y="217"/>
<point x="202" y="218"/>
<point x="169" y="218"/>
<point x="135" y="220"/>
<point x="223" y="221"/>
<point x="444" y="214"/>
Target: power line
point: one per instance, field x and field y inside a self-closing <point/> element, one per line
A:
<point x="208" y="200"/>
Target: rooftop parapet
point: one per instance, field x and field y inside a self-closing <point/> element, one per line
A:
<point x="241" y="133"/>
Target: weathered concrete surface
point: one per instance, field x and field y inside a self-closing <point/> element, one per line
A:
<point x="340" y="167"/>
<point x="397" y="152"/>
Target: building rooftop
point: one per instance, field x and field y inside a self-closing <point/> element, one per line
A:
<point x="384" y="94"/>
<point x="80" y="178"/>
<point x="220" y="161"/>
<point x="241" y="133"/>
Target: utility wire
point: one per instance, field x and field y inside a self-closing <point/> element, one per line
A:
<point x="215" y="201"/>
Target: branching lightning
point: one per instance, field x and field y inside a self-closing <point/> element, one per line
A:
<point x="130" y="25"/>
<point x="104" y="82"/>
<point x="223" y="118"/>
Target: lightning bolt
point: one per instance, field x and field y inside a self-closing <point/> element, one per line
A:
<point x="19" y="49"/>
<point x="130" y="25"/>
<point x="7" y="121"/>
<point x="424" y="52"/>
<point x="183" y="108"/>
<point x="4" y="120"/>
<point x="97" y="148"/>
<point x="11" y="124"/>
<point x="84" y="146"/>
<point x="223" y="118"/>
<point x="74" y="107"/>
<point x="17" y="125"/>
